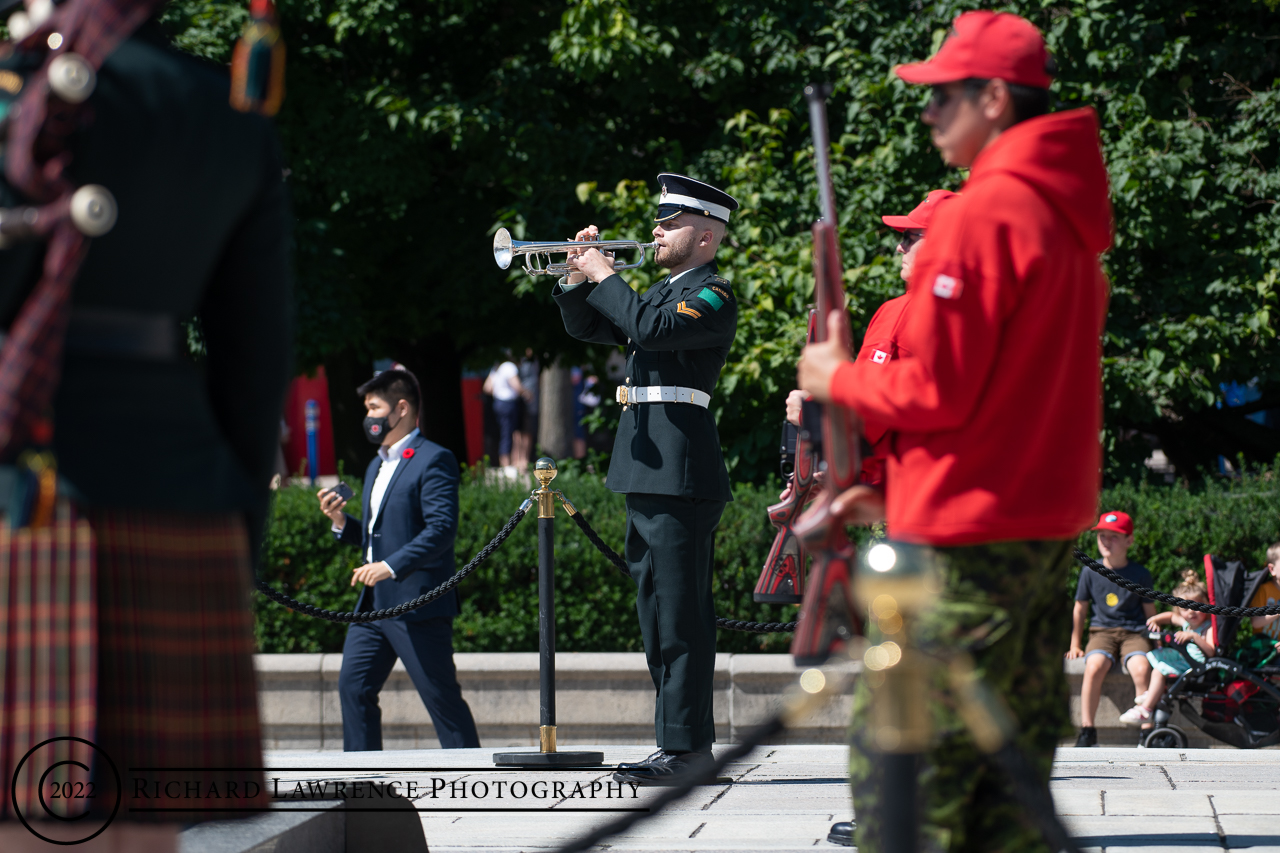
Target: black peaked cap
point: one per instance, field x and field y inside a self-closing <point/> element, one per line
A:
<point x="682" y="194"/>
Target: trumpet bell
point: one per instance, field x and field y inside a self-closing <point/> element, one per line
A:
<point x="502" y="248"/>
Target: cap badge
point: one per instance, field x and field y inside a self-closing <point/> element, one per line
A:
<point x="1112" y="517"/>
<point x="664" y="190"/>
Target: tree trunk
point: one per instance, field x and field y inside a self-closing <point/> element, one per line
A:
<point x="555" y="415"/>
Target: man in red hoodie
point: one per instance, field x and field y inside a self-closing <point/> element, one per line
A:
<point x="996" y="406"/>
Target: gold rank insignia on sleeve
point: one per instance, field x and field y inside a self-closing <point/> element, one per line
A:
<point x="683" y="308"/>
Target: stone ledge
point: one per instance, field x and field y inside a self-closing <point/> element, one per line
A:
<point x="602" y="697"/>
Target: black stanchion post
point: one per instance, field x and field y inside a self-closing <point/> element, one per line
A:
<point x="546" y="624"/>
<point x="547" y="755"/>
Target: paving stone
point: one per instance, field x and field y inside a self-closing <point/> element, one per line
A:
<point x="1257" y="832"/>
<point x="1247" y="803"/>
<point x="1131" y="802"/>
<point x="1077" y="802"/>
<point x="1125" y="833"/>
<point x="1109" y="776"/>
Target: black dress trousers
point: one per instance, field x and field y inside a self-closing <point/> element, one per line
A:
<point x="670" y="548"/>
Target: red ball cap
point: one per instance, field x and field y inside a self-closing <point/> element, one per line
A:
<point x="1120" y="522"/>
<point x="986" y="45"/>
<point x="922" y="215"/>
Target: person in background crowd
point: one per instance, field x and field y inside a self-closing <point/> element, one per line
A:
<point x="578" y="382"/>
<point x="1268" y="593"/>
<point x="503" y="382"/>
<point x="526" y="437"/>
<point x="1168" y="663"/>
<point x="1118" y="631"/>
<point x="406" y="541"/>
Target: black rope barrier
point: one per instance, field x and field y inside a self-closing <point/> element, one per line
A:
<point x="1156" y="595"/>
<point x="621" y="565"/>
<point x="421" y="601"/>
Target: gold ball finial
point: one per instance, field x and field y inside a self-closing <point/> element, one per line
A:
<point x="545" y="470"/>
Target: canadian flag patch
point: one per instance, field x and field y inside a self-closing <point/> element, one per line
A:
<point x="947" y="287"/>
<point x="879" y="356"/>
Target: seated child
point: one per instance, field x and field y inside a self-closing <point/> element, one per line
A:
<point x="1118" y="633"/>
<point x="1168" y="663"/>
<point x="1268" y="593"/>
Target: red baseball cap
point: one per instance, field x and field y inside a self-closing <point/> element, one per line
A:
<point x="1120" y="522"/>
<point x="923" y="213"/>
<point x="986" y="45"/>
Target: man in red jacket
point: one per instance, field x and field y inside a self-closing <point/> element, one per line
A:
<point x="864" y="503"/>
<point x="880" y="341"/>
<point x="996" y="407"/>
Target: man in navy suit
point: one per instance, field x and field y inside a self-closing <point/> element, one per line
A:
<point x="406" y="536"/>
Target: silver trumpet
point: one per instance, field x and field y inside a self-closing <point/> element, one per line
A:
<point x="537" y="255"/>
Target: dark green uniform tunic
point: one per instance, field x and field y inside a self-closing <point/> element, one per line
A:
<point x="668" y="462"/>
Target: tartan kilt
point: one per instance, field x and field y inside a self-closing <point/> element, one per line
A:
<point x="48" y="648"/>
<point x="176" y="707"/>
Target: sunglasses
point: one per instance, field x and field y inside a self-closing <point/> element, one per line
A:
<point x="941" y="95"/>
<point x="910" y="238"/>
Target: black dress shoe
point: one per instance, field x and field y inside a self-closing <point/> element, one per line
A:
<point x="669" y="769"/>
<point x="1088" y="736"/>
<point x="632" y="765"/>
<point x="842" y="833"/>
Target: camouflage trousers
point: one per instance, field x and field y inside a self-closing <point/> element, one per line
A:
<point x="1006" y="603"/>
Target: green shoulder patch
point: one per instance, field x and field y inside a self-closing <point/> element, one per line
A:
<point x="711" y="298"/>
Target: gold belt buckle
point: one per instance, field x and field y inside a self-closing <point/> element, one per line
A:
<point x="620" y="395"/>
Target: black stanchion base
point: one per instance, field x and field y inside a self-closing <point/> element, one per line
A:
<point x="548" y="759"/>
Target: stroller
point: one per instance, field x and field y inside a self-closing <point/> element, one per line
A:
<point x="1232" y="696"/>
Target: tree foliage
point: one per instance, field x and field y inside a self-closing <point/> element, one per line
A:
<point x="414" y="129"/>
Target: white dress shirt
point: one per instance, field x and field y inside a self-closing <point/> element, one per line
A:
<point x="390" y="457"/>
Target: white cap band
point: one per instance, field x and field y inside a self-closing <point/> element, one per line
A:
<point x="717" y="210"/>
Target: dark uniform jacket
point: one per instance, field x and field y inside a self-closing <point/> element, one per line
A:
<point x="203" y="232"/>
<point x="675" y="334"/>
<point x="414" y="530"/>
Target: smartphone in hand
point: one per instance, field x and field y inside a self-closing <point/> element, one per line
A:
<point x="343" y="491"/>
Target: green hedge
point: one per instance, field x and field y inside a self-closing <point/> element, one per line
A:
<point x="595" y="606"/>
<point x="595" y="611"/>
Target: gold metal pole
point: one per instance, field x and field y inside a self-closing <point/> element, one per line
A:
<point x="545" y="470"/>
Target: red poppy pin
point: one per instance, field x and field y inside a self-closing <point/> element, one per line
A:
<point x="407" y="453"/>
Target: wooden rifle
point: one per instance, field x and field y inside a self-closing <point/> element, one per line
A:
<point x="782" y="579"/>
<point x="827" y="617"/>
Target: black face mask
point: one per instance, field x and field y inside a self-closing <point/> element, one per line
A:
<point x="376" y="429"/>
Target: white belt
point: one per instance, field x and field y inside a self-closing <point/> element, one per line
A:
<point x="629" y="395"/>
